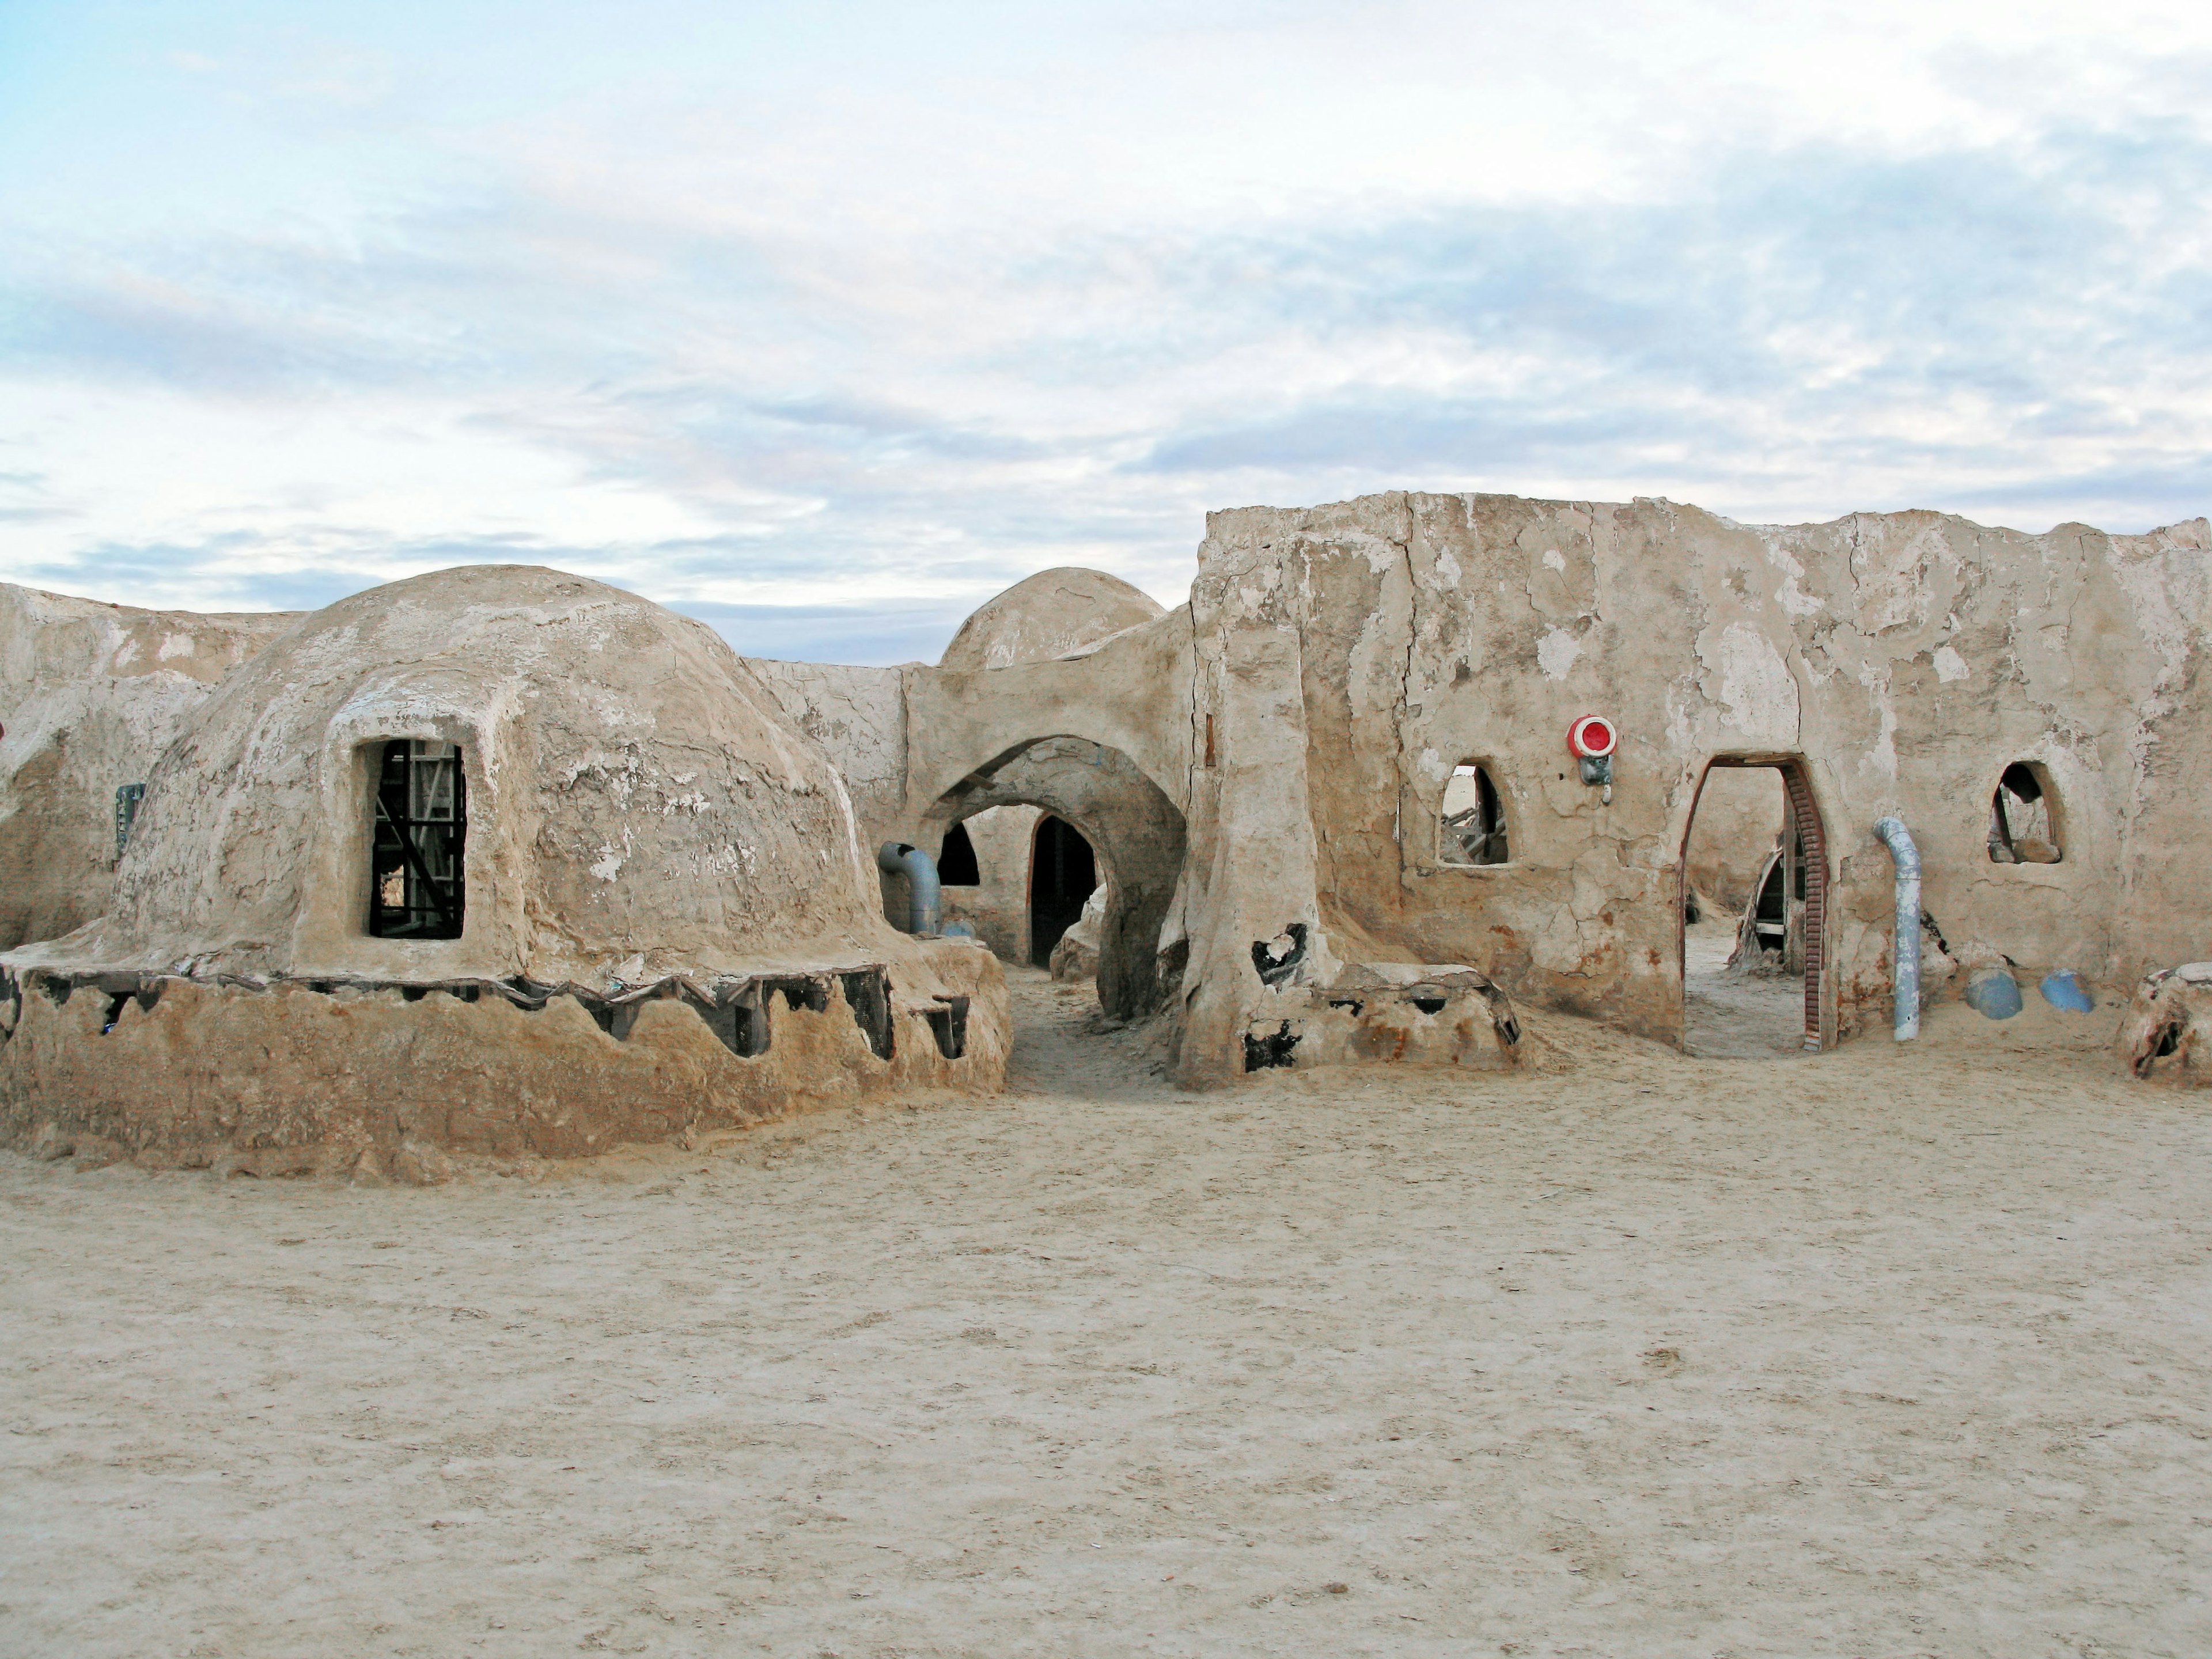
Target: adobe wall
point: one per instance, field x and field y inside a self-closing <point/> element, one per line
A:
<point x="90" y="695"/>
<point x="1099" y="735"/>
<point x="1740" y="813"/>
<point x="297" y="1077"/>
<point x="1349" y="655"/>
<point x="998" y="906"/>
<point x="661" y="917"/>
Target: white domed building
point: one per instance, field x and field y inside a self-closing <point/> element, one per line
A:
<point x="496" y="860"/>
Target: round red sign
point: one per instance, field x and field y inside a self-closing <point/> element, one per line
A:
<point x="1592" y="735"/>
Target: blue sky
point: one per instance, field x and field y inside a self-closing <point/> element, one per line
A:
<point x="826" y="322"/>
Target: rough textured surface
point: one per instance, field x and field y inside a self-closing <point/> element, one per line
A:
<point x="1650" y="1357"/>
<point x="1053" y="613"/>
<point x="1076" y="955"/>
<point x="1741" y="811"/>
<point x="642" y="816"/>
<point x="2167" y="1033"/>
<point x="856" y="716"/>
<point x="998" y="906"/>
<point x="1134" y="828"/>
<point x="633" y="792"/>
<point x="90" y="695"/>
<point x="1350" y="655"/>
<point x="1261" y="772"/>
<point x="1302" y="716"/>
<point x="300" y="1078"/>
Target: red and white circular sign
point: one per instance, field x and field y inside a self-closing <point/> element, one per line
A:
<point x="1592" y="736"/>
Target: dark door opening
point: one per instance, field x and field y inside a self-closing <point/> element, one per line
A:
<point x="418" y="845"/>
<point x="1063" y="873"/>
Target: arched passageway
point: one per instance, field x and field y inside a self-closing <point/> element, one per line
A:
<point x="1754" y="895"/>
<point x="1063" y="870"/>
<point x="1116" y="818"/>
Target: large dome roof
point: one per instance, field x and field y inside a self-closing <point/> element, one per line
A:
<point x="637" y="804"/>
<point x="1052" y="614"/>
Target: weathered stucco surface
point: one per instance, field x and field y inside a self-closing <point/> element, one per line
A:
<point x="90" y="695"/>
<point x="1055" y="613"/>
<point x="651" y="843"/>
<point x="1740" y="813"/>
<point x="1351" y="654"/>
<point x="998" y="906"/>
<point x="2167" y="1033"/>
<point x="1302" y="716"/>
<point x="1260" y="773"/>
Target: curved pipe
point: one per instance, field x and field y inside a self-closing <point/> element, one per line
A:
<point x="1907" y="953"/>
<point x="923" y="905"/>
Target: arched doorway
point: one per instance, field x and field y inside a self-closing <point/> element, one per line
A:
<point x="1063" y="870"/>
<point x="1752" y="910"/>
<point x="1102" y="820"/>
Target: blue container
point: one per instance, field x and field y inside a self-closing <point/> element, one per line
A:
<point x="1993" y="993"/>
<point x="2063" y="991"/>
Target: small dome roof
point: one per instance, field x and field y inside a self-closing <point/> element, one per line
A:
<point x="638" y="804"/>
<point x="1055" y="613"/>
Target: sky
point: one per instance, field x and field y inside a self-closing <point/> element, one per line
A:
<point x="825" y="322"/>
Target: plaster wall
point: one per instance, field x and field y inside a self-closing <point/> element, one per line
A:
<point x="1055" y="613"/>
<point x="90" y="695"/>
<point x="1100" y="735"/>
<point x="650" y="845"/>
<point x="1739" y="813"/>
<point x="998" y="906"/>
<point x="1351" y="654"/>
<point x="296" y="1078"/>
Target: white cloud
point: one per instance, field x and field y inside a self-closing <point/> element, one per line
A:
<point x="866" y="307"/>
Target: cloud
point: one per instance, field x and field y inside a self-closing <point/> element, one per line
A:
<point x="833" y="384"/>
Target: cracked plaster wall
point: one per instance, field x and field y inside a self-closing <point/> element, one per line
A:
<point x="90" y="695"/>
<point x="640" y="812"/>
<point x="1351" y="654"/>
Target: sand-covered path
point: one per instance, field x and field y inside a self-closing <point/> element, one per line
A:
<point x="1854" y="1354"/>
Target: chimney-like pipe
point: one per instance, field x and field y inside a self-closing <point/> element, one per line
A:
<point x="1905" y="953"/>
<point x="923" y="905"/>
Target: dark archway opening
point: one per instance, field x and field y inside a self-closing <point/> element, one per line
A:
<point x="956" y="860"/>
<point x="1109" y="823"/>
<point x="1063" y="870"/>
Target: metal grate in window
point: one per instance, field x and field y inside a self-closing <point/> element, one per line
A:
<point x="415" y="887"/>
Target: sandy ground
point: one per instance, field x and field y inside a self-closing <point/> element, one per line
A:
<point x="1651" y="1355"/>
<point x="1736" y="1016"/>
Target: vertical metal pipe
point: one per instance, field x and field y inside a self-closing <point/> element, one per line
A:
<point x="1905" y="954"/>
<point x="924" y="909"/>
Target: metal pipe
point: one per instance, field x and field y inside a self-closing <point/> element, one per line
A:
<point x="923" y="908"/>
<point x="1906" y="977"/>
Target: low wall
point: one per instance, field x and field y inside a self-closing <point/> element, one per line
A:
<point x="389" y="1080"/>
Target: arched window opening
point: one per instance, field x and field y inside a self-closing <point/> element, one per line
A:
<point x="1472" y="830"/>
<point x="420" y="835"/>
<point x="1063" y="870"/>
<point x="2024" y="818"/>
<point x="956" y="860"/>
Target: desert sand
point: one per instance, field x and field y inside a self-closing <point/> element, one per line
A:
<point x="1736" y="1016"/>
<point x="1630" y="1353"/>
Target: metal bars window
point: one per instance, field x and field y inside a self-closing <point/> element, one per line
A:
<point x="421" y="827"/>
